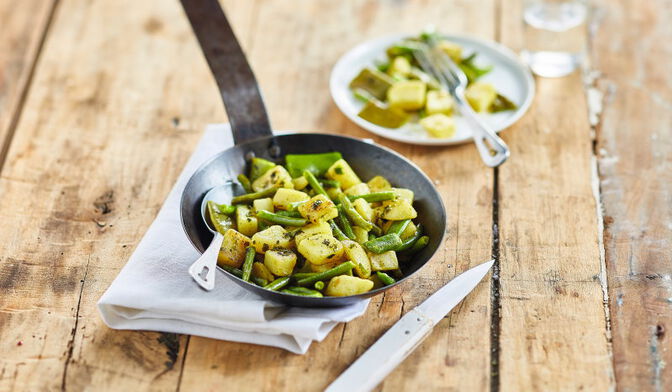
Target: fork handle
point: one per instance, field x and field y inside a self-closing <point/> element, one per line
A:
<point x="492" y="148"/>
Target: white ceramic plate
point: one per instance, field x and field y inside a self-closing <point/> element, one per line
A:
<point x="509" y="76"/>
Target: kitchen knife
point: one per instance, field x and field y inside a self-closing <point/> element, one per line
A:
<point x="407" y="334"/>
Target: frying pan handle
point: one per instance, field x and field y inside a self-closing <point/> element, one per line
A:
<point x="237" y="84"/>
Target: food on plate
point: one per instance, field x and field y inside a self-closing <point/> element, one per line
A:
<point x="397" y="91"/>
<point x="313" y="227"/>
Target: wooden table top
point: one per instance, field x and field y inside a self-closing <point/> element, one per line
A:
<point x="102" y="102"/>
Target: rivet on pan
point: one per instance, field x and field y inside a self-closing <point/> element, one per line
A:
<point x="274" y="151"/>
<point x="249" y="155"/>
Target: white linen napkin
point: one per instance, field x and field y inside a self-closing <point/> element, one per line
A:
<point x="154" y="291"/>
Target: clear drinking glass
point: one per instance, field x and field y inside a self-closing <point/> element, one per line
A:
<point x="555" y="35"/>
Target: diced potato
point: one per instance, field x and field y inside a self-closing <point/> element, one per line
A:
<point x="300" y="183"/>
<point x="276" y="175"/>
<point x="265" y="204"/>
<point x="399" y="67"/>
<point x="439" y="125"/>
<point x="386" y="261"/>
<point x="272" y="238"/>
<point x="306" y="231"/>
<point x="359" y="189"/>
<point x="280" y="262"/>
<point x="343" y="173"/>
<point x="451" y="49"/>
<point x="246" y="221"/>
<point x="361" y="235"/>
<point x="321" y="249"/>
<point x="232" y="252"/>
<point x="480" y="96"/>
<point x="407" y="95"/>
<point x="284" y="198"/>
<point x="403" y="193"/>
<point x="398" y="209"/>
<point x="333" y="193"/>
<point x="439" y="101"/>
<point x="259" y="270"/>
<point x="322" y="267"/>
<point x="357" y="255"/>
<point x="318" y="208"/>
<point x="364" y="209"/>
<point x="343" y="285"/>
<point x="409" y="231"/>
<point x="378" y="184"/>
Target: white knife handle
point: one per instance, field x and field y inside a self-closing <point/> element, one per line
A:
<point x="388" y="352"/>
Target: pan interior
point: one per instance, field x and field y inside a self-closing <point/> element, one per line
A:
<point x="367" y="159"/>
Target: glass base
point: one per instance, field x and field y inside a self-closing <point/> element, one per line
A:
<point x="551" y="64"/>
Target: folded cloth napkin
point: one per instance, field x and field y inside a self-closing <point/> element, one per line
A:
<point x="155" y="292"/>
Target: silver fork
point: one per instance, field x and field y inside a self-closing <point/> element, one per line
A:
<point x="492" y="148"/>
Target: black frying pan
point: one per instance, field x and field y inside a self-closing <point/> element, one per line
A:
<point x="252" y="135"/>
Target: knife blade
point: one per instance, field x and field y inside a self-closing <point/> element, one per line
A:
<point x="407" y="334"/>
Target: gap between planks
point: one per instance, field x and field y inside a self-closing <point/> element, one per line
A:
<point x="23" y="90"/>
<point x="595" y="101"/>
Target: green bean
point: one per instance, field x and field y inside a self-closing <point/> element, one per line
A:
<point x="337" y="232"/>
<point x="250" y="252"/>
<point x="280" y="220"/>
<point x="419" y="244"/>
<point x="218" y="216"/>
<point x="221" y="208"/>
<point x="261" y="225"/>
<point x="352" y="213"/>
<point x="328" y="274"/>
<point x="312" y="181"/>
<point x="398" y="227"/>
<point x="278" y="283"/>
<point x="330" y="183"/>
<point x="385" y="278"/>
<point x="303" y="292"/>
<point x="384" y="243"/>
<point x="408" y="242"/>
<point x="375" y="196"/>
<point x="232" y="270"/>
<point x="245" y="182"/>
<point x="247" y="198"/>
<point x="259" y="166"/>
<point x="301" y="275"/>
<point x="259" y="281"/>
<point x="293" y="206"/>
<point x="372" y="236"/>
<point x="319" y="285"/>
<point x="291" y="214"/>
<point x="316" y="163"/>
<point x="345" y="224"/>
<point x="376" y="230"/>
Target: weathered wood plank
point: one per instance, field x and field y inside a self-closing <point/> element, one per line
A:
<point x="119" y="100"/>
<point x="632" y="56"/>
<point x="457" y="353"/>
<point x="553" y="330"/>
<point x="22" y="28"/>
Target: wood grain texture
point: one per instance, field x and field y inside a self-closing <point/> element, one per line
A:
<point x="553" y="327"/>
<point x="296" y="92"/>
<point x="22" y="28"/>
<point x="109" y="122"/>
<point x="635" y="158"/>
<point x="119" y="99"/>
